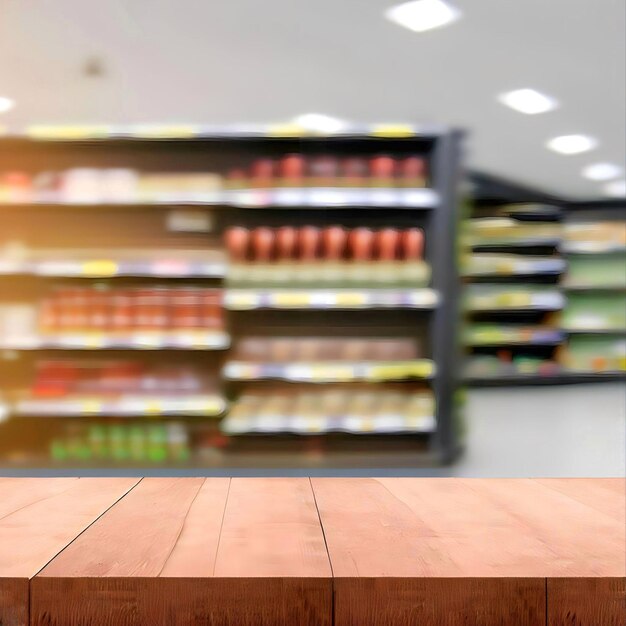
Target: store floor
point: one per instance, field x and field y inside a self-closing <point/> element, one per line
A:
<point x="565" y="431"/>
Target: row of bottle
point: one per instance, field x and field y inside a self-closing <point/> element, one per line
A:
<point x="333" y="243"/>
<point x="61" y="378"/>
<point x="122" y="443"/>
<point x="90" y="185"/>
<point x="120" y="309"/>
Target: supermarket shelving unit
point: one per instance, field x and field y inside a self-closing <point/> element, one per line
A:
<point x="428" y="313"/>
<point x="594" y="318"/>
<point x="511" y="281"/>
<point x="490" y="194"/>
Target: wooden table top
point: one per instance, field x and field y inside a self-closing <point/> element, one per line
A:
<point x="321" y="551"/>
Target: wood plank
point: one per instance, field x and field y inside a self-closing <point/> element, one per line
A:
<point x="408" y="551"/>
<point x="271" y="528"/>
<point x="272" y="538"/>
<point x="157" y="558"/>
<point x="586" y="601"/>
<point x="39" y="518"/>
<point x="591" y="601"/>
<point x="605" y="495"/>
<point x="586" y="542"/>
<point x="16" y="493"/>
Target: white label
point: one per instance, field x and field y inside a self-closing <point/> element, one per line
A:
<point x="189" y="221"/>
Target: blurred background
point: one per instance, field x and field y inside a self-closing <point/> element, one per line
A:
<point x="315" y="237"/>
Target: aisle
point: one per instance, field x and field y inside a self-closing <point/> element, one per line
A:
<point x="564" y="431"/>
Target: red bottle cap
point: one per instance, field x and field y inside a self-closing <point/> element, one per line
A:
<point x="292" y="166"/>
<point x="334" y="242"/>
<point x="309" y="240"/>
<point x="237" y="242"/>
<point x="286" y="241"/>
<point x="361" y="242"/>
<point x="387" y="240"/>
<point x="263" y="169"/>
<point x="382" y="166"/>
<point x="262" y="244"/>
<point x="412" y="241"/>
<point x="412" y="167"/>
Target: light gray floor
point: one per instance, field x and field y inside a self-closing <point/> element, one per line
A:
<point x="565" y="431"/>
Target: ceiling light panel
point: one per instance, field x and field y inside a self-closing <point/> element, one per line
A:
<point x="602" y="171"/>
<point x="528" y="101"/>
<point x="572" y="144"/>
<point x="423" y="15"/>
<point x="6" y="104"/>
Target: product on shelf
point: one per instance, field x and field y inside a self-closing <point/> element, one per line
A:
<point x="601" y="271"/>
<point x="595" y="312"/>
<point x="519" y="296"/>
<point x="593" y="354"/>
<point x="61" y="378"/>
<point x="595" y="237"/>
<point x="506" y="364"/>
<point x="124" y="310"/>
<point x="332" y="256"/>
<point x="122" y="443"/>
<point x="511" y="264"/>
<point x="324" y="359"/>
<point x="505" y="230"/>
<point x="492" y="334"/>
<point x="121" y="388"/>
<point x="88" y="185"/>
<point x="89" y="317"/>
<point x="372" y="411"/>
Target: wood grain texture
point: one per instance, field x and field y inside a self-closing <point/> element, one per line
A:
<point x="389" y="601"/>
<point x="436" y="541"/>
<point x="38" y="519"/>
<point x="272" y="538"/>
<point x="272" y="529"/>
<point x="605" y="495"/>
<point x="585" y="542"/>
<point x="174" y="552"/>
<point x="14" y="597"/>
<point x="586" y="601"/>
<point x="403" y="553"/>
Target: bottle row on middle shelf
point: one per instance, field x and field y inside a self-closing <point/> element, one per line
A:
<point x="106" y="316"/>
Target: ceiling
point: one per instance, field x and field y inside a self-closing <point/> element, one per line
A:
<point x="253" y="61"/>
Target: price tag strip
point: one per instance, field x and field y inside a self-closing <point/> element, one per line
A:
<point x="183" y="339"/>
<point x="124" y="406"/>
<point x="247" y="299"/>
<point x="331" y="371"/>
<point x="319" y="424"/>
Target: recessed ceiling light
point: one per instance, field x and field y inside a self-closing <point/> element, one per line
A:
<point x="572" y="144"/>
<point x="320" y="123"/>
<point x="528" y="101"/>
<point x="616" y="189"/>
<point x="421" y="15"/>
<point x="6" y="104"/>
<point x="602" y="171"/>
